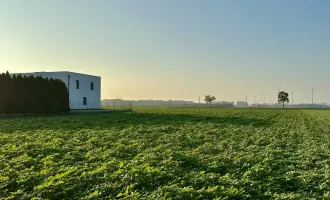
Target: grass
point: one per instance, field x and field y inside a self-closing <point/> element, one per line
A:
<point x="167" y="153"/>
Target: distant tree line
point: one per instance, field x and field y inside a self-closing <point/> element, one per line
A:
<point x="24" y="95"/>
<point x="111" y="103"/>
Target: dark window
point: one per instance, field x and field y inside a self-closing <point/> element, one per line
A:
<point x="77" y="84"/>
<point x="92" y="86"/>
<point x="84" y="101"/>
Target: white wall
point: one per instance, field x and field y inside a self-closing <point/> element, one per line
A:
<point x="76" y="95"/>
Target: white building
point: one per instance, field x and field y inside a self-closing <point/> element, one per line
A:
<point x="84" y="90"/>
<point x="242" y="104"/>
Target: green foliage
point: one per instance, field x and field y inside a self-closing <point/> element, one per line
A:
<point x="167" y="153"/>
<point x="209" y="99"/>
<point x="283" y="97"/>
<point x="23" y="95"/>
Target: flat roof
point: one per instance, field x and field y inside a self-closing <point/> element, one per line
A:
<point x="56" y="72"/>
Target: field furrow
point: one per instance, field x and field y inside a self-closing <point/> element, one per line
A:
<point x="167" y="153"/>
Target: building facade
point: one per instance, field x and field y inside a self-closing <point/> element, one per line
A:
<point x="84" y="90"/>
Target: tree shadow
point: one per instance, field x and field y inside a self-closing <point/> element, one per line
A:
<point x="120" y="120"/>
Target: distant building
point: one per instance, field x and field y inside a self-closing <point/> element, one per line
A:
<point x="84" y="90"/>
<point x="242" y="104"/>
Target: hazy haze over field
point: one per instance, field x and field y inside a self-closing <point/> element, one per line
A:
<point x="175" y="49"/>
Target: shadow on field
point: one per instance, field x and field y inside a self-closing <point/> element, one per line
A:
<point x="99" y="121"/>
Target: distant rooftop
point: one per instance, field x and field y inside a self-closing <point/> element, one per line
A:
<point x="55" y="72"/>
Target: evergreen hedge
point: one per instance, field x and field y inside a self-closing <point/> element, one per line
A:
<point x="29" y="94"/>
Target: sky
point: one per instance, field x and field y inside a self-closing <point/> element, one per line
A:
<point x="175" y="49"/>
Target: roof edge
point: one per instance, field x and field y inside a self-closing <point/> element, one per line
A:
<point x="56" y="72"/>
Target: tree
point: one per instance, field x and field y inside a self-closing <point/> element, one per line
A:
<point x="283" y="97"/>
<point x="3" y="92"/>
<point x="23" y="95"/>
<point x="209" y="99"/>
<point x="8" y="93"/>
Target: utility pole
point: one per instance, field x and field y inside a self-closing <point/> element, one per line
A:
<point x="264" y="99"/>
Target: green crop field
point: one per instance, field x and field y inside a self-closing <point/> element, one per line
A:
<point x="167" y="153"/>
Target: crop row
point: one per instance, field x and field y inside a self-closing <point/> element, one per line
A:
<point x="167" y="153"/>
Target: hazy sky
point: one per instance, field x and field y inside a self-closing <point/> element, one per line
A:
<point x="175" y="49"/>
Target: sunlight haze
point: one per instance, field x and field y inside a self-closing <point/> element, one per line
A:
<point x="175" y="49"/>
